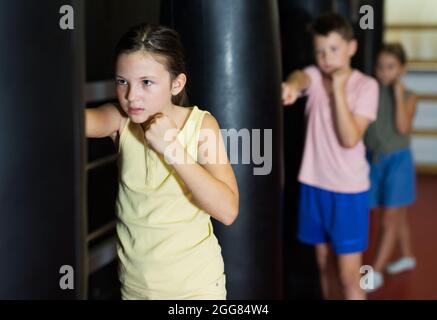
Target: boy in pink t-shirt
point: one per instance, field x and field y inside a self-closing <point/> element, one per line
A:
<point x="334" y="172"/>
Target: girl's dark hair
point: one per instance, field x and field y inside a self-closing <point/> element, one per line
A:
<point x="159" y="40"/>
<point x="395" y="49"/>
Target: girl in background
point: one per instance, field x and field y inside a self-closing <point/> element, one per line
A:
<point x="392" y="172"/>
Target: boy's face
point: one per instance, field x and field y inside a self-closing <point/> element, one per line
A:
<point x="388" y="68"/>
<point x="333" y="52"/>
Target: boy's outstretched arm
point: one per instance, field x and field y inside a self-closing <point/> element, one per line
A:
<point x="295" y="83"/>
<point x="103" y="121"/>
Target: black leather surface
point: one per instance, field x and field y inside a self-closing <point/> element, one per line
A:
<point x="235" y="72"/>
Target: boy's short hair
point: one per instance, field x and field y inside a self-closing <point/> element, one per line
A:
<point x="332" y="22"/>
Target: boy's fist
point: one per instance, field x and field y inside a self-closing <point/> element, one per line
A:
<point x="339" y="78"/>
<point x="289" y="93"/>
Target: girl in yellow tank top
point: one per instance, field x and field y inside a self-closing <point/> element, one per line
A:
<point x="174" y="174"/>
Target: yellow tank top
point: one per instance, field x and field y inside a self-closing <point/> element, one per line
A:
<point x="166" y="245"/>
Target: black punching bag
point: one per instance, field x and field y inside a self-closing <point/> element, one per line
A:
<point x="234" y="71"/>
<point x="369" y="40"/>
<point x="42" y="158"/>
<point x="301" y="276"/>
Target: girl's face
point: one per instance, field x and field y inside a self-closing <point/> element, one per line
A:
<point x="144" y="86"/>
<point x="333" y="52"/>
<point x="388" y="68"/>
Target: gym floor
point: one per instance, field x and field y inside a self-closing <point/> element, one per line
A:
<point x="417" y="284"/>
<point x="420" y="282"/>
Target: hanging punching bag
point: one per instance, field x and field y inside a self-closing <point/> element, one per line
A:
<point x="234" y="71"/>
<point x="370" y="38"/>
<point x="301" y="278"/>
<point x="42" y="155"/>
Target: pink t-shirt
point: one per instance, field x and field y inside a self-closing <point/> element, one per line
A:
<point x="326" y="164"/>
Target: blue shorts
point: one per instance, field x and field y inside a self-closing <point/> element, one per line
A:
<point x="339" y="218"/>
<point x="393" y="179"/>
